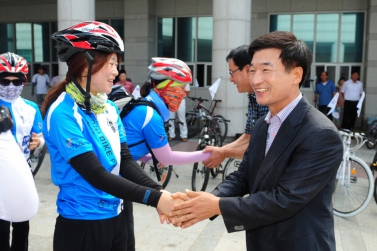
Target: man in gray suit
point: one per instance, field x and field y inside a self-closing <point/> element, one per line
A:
<point x="288" y="171"/>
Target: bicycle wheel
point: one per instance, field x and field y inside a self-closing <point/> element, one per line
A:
<point x="223" y="125"/>
<point x="165" y="173"/>
<point x="218" y="142"/>
<point x="231" y="166"/>
<point x="200" y="174"/>
<point x="372" y="135"/>
<point x="193" y="123"/>
<point x="35" y="161"/>
<point x="351" y="199"/>
<point x="373" y="167"/>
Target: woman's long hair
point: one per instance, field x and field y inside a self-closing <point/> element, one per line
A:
<point x="76" y="67"/>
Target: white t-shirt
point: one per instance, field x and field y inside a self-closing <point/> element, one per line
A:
<point x="54" y="81"/>
<point x="352" y="91"/>
<point x="42" y="82"/>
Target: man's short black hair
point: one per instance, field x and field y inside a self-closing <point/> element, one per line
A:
<point x="240" y="56"/>
<point x="122" y="71"/>
<point x="294" y="53"/>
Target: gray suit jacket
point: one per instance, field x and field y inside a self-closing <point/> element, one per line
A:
<point x="289" y="206"/>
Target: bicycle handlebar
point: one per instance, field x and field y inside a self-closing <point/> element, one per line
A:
<point x="200" y="99"/>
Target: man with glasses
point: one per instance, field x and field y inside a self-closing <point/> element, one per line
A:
<point x="239" y="68"/>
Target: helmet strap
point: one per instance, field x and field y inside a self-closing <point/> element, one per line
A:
<point x="88" y="79"/>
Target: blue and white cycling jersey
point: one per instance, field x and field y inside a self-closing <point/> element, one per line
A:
<point x="26" y="119"/>
<point x="69" y="131"/>
<point x="144" y="123"/>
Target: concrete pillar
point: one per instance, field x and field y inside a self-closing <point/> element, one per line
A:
<point x="231" y="28"/>
<point x="71" y="12"/>
<point x="139" y="38"/>
<point x="370" y="104"/>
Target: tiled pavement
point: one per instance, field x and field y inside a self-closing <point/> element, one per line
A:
<point x="355" y="233"/>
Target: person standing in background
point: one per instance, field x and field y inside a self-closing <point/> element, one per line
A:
<point x="127" y="84"/>
<point x="41" y="82"/>
<point x="340" y="103"/>
<point x="324" y="92"/>
<point x="239" y="70"/>
<point x="351" y="92"/>
<point x="54" y="81"/>
<point x="181" y="113"/>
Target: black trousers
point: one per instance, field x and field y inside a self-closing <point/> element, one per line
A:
<point x="324" y="109"/>
<point x="91" y="235"/>
<point x="20" y="234"/>
<point x="349" y="114"/>
<point x="128" y="211"/>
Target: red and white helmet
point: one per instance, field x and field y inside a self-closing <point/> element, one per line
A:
<point x="13" y="65"/>
<point x="170" y="68"/>
<point x="89" y="35"/>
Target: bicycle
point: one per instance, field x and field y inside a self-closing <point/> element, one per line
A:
<point x="354" y="179"/>
<point x="165" y="172"/>
<point x="210" y="135"/>
<point x="372" y="135"/>
<point x="231" y="165"/>
<point x="35" y="160"/>
<point x="373" y="167"/>
<point x="194" y="119"/>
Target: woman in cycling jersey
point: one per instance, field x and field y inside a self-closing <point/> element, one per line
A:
<point x="145" y="126"/>
<point x="26" y="131"/>
<point x="91" y="163"/>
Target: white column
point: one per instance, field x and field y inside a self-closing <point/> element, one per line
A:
<point x="371" y="62"/>
<point x="71" y="12"/>
<point x="231" y="28"/>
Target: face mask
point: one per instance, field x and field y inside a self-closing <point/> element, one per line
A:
<point x="10" y="91"/>
<point x="173" y="97"/>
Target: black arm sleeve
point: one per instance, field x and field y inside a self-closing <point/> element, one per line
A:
<point x="130" y="170"/>
<point x="89" y="166"/>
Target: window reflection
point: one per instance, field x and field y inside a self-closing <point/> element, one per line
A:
<point x="41" y="42"/>
<point x="166" y="40"/>
<point x="23" y="42"/>
<point x="193" y="37"/>
<point x="280" y="23"/>
<point x="327" y="37"/>
<point x="303" y="28"/>
<point x="205" y="28"/>
<point x="6" y="38"/>
<point x="351" y="37"/>
<point x="186" y="39"/>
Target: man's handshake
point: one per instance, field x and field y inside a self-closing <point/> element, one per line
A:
<point x="186" y="209"/>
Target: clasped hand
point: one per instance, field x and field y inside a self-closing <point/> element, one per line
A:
<point x="186" y="209"/>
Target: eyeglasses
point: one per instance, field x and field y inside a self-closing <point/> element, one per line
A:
<point x="231" y="72"/>
<point x="15" y="82"/>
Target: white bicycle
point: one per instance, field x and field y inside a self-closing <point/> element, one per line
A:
<point x="354" y="179"/>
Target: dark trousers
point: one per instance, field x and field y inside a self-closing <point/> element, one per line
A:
<point x="324" y="109"/>
<point x="349" y="114"/>
<point x="91" y="235"/>
<point x="20" y="235"/>
<point x="40" y="98"/>
<point x="128" y="211"/>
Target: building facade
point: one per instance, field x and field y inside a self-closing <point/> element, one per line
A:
<point x="342" y="35"/>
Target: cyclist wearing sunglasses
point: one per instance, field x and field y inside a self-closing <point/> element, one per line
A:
<point x="26" y="130"/>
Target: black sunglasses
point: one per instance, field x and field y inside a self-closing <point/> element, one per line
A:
<point x="15" y="82"/>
